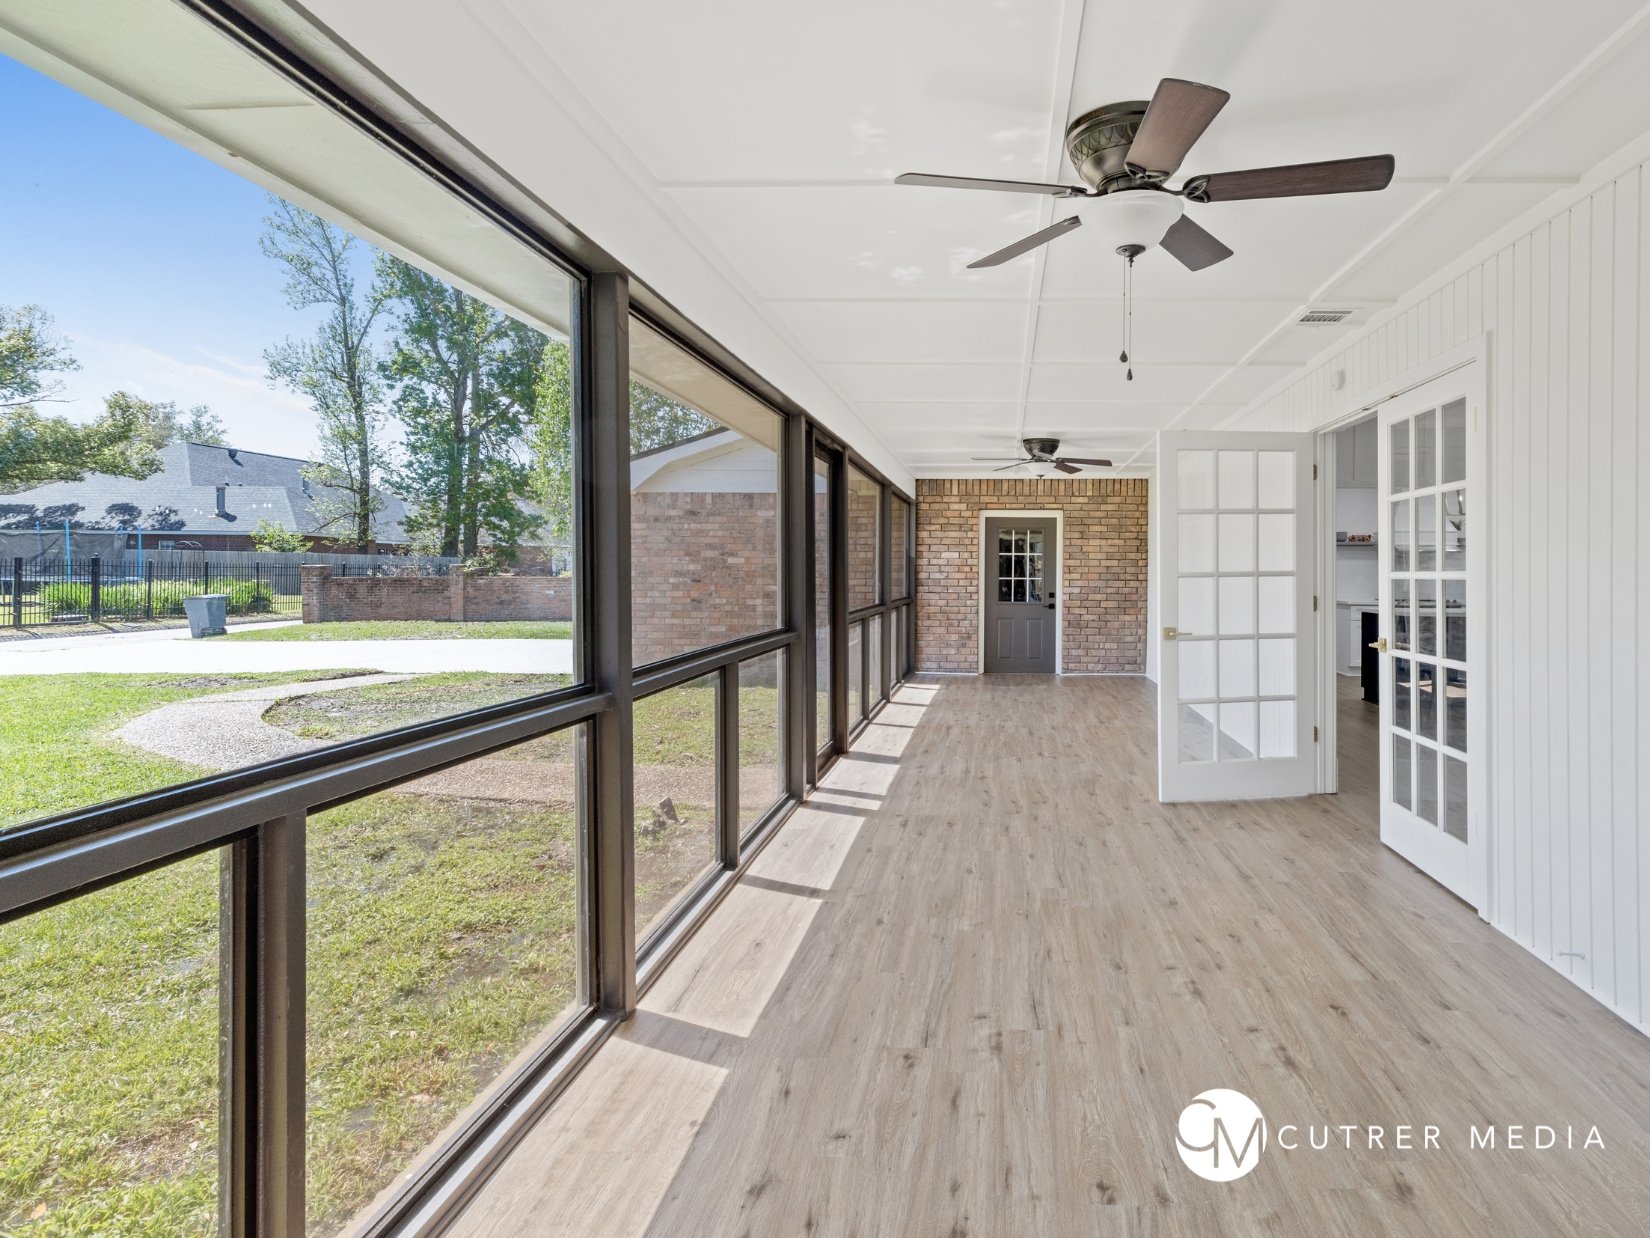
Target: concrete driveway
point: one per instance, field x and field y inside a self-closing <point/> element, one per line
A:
<point x="173" y="652"/>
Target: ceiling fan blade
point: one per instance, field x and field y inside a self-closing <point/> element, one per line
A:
<point x="995" y="460"/>
<point x="1015" y="465"/>
<point x="1104" y="464"/>
<point x="1066" y="467"/>
<point x="1193" y="246"/>
<point x="976" y="182"/>
<point x="1176" y="117"/>
<point x="1362" y="175"/>
<point x="1026" y="244"/>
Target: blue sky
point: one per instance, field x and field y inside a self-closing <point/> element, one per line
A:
<point x="147" y="256"/>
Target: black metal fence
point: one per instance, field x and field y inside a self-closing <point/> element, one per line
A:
<point x="65" y="592"/>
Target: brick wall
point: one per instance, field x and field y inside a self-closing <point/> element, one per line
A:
<point x="1103" y="590"/>
<point x="456" y="598"/>
<point x="704" y="568"/>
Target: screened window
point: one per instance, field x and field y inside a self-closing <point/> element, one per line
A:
<point x="899" y="527"/>
<point x="344" y="437"/>
<point x="704" y="518"/>
<point x="864" y="544"/>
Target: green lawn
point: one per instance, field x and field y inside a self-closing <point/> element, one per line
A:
<point x="441" y="942"/>
<point x="410" y="629"/>
<point x="56" y="752"/>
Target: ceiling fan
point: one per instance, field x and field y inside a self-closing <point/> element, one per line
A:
<point x="1042" y="454"/>
<point x="1125" y="152"/>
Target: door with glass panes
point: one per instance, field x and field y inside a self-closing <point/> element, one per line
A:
<point x="1236" y="692"/>
<point x="1431" y="631"/>
<point x="1021" y="600"/>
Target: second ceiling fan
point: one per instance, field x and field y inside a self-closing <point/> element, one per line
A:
<point x="1125" y="152"/>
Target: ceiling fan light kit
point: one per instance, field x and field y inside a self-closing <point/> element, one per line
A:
<point x="1125" y="154"/>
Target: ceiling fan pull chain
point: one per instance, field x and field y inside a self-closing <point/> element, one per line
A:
<point x="1128" y="316"/>
<point x="1123" y="357"/>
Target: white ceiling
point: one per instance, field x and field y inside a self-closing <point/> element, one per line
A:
<point x="770" y="134"/>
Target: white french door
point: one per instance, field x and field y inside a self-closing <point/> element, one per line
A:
<point x="1237" y="671"/>
<point x="1432" y="602"/>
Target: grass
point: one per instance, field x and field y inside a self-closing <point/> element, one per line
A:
<point x="411" y="629"/>
<point x="56" y="747"/>
<point x="442" y="941"/>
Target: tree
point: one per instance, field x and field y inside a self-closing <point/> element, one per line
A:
<point x="338" y="369"/>
<point x="35" y="447"/>
<point x="466" y="393"/>
<point x="164" y="424"/>
<point x="656" y="421"/>
<point x="272" y="538"/>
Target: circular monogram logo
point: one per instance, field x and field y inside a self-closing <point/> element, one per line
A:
<point x="1221" y="1135"/>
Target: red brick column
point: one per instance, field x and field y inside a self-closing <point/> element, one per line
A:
<point x="312" y="587"/>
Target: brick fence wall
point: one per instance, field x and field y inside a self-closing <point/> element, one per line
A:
<point x="455" y="598"/>
<point x="1103" y="589"/>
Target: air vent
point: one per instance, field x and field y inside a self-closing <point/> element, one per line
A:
<point x="1322" y="315"/>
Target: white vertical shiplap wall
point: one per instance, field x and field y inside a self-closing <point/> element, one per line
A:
<point x="1567" y="309"/>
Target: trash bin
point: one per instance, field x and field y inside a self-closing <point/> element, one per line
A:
<point x="206" y="614"/>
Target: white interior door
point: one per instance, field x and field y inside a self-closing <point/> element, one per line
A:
<point x="1432" y="595"/>
<point x="1237" y="671"/>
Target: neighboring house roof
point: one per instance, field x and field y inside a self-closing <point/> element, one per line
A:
<point x="721" y="461"/>
<point x="182" y="497"/>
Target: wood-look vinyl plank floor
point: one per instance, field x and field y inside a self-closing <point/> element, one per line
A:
<point x="1008" y="968"/>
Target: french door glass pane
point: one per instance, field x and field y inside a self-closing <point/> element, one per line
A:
<point x="1277" y="729"/>
<point x="1455" y="709"/>
<point x="1455" y="442"/>
<point x="1426" y="700"/>
<point x="1237" y="605"/>
<point x="1426" y="616"/>
<point x="1426" y="533"/>
<point x="1237" y="730"/>
<point x="1455" y="620"/>
<point x="1237" y="668"/>
<point x="1426" y="783"/>
<point x="1197" y="479"/>
<point x="1237" y="542"/>
<point x="1197" y="733"/>
<point x="1277" y="480"/>
<point x="1197" y="669"/>
<point x="1277" y="604"/>
<point x="1453" y="528"/>
<point x="1277" y="542"/>
<point x="1277" y="667"/>
<point x="1237" y="478"/>
<point x="1197" y="543"/>
<point x="1455" y="798"/>
<point x="1402" y="687"/>
<point x="1401" y="774"/>
<point x="1197" y="604"/>
<point x="1400" y="457"/>
<point x="1399" y="532"/>
<point x="1400" y="613"/>
<point x="1426" y="450"/>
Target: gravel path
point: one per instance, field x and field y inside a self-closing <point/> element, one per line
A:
<point x="227" y="730"/>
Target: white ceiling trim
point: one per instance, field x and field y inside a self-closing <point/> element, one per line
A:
<point x="1586" y="68"/>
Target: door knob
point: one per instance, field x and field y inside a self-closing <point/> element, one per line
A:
<point x="1175" y="633"/>
<point x="1379" y="646"/>
<point x="1051" y="605"/>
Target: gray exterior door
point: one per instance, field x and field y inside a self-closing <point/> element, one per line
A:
<point x="1021" y="574"/>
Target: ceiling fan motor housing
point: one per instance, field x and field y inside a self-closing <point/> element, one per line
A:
<point x="1098" y="144"/>
<point x="1040" y="447"/>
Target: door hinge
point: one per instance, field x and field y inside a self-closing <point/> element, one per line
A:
<point x="1314" y="472"/>
<point x="1314" y="603"/>
<point x="1314" y="735"/>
